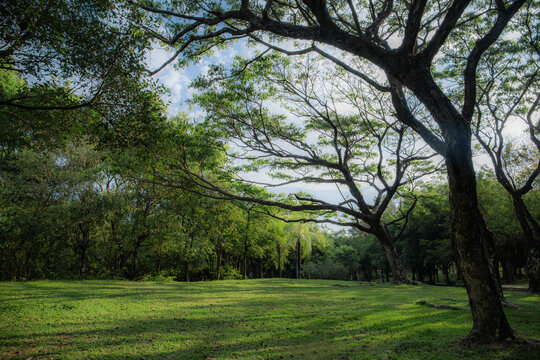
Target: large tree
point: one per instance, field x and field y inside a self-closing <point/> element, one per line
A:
<point x="404" y="41"/>
<point x="510" y="97"/>
<point x="336" y="132"/>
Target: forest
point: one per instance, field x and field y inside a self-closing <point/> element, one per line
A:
<point x="364" y="141"/>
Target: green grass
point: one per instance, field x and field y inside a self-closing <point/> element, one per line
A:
<point x="254" y="319"/>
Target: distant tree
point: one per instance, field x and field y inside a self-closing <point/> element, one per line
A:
<point x="301" y="238"/>
<point x="496" y="205"/>
<point x="425" y="243"/>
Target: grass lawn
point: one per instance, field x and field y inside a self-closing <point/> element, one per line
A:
<point x="253" y="319"/>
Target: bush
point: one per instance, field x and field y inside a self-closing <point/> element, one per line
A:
<point x="160" y="277"/>
<point x="325" y="269"/>
<point x="231" y="273"/>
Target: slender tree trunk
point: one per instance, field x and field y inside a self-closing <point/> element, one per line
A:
<point x="135" y="255"/>
<point x="398" y="270"/>
<point x="160" y="246"/>
<point x="186" y="270"/>
<point x="218" y="265"/>
<point x="85" y="241"/>
<point x="470" y="236"/>
<point x="279" y="259"/>
<point x="446" y="274"/>
<point x="246" y="246"/>
<point x="187" y="264"/>
<point x="245" y="258"/>
<point x="298" y="258"/>
<point x="531" y="231"/>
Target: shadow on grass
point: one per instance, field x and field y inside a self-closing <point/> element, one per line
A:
<point x="249" y="320"/>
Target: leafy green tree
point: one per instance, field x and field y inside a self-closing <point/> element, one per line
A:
<point x="396" y="47"/>
<point x="72" y="52"/>
<point x="425" y="243"/>
<point x="302" y="237"/>
<point x="509" y="99"/>
<point x="359" y="151"/>
<point x="497" y="207"/>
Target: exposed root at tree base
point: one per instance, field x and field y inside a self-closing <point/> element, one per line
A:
<point x="476" y="340"/>
<point x="509" y="304"/>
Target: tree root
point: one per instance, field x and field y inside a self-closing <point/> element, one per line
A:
<point x="509" y="304"/>
<point x="475" y="340"/>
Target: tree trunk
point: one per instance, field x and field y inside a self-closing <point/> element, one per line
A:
<point x="187" y="265"/>
<point x="533" y="269"/>
<point x="245" y="258"/>
<point x="160" y="246"/>
<point x="493" y="263"/>
<point x="85" y="234"/>
<point x="218" y="265"/>
<point x="186" y="270"/>
<point x="470" y="236"/>
<point x="246" y="246"/>
<point x="446" y="274"/>
<point x="531" y="231"/>
<point x="298" y="258"/>
<point x="279" y="260"/>
<point x="398" y="270"/>
<point x="135" y="256"/>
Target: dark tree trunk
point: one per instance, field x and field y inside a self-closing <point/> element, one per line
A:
<point x="398" y="270"/>
<point x="85" y="241"/>
<point x="470" y="235"/>
<point x="531" y="230"/>
<point x="186" y="270"/>
<point x="446" y="274"/>
<point x="245" y="259"/>
<point x="279" y="260"/>
<point x="298" y="258"/>
<point x="246" y="245"/>
<point x="533" y="269"/>
<point x="187" y="264"/>
<point x="509" y="272"/>
<point x="137" y="243"/>
<point x="493" y="263"/>
<point x="218" y="264"/>
<point x="160" y="246"/>
<point x="470" y="239"/>
<point x="134" y="260"/>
